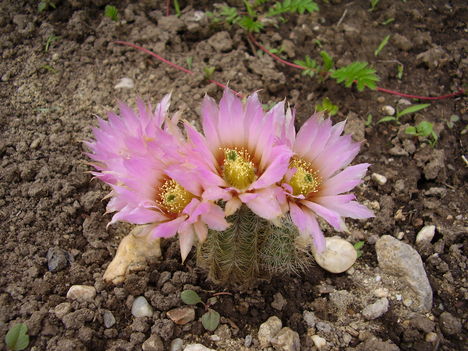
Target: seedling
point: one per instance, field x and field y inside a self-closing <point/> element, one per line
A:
<point x="327" y="106"/>
<point x="399" y="114"/>
<point x="177" y="7"/>
<point x="381" y="45"/>
<point x="359" y="73"/>
<point x="50" y="40"/>
<point x="358" y="246"/>
<point x="400" y="69"/>
<point x="111" y="12"/>
<point x="45" y="4"/>
<point x="210" y="319"/>
<point x="368" y="122"/>
<point x="189" y="61"/>
<point x="311" y="67"/>
<point x="373" y="5"/>
<point x="208" y="71"/>
<point x="425" y="130"/>
<point x="17" y="337"/>
<point x="451" y="122"/>
<point x="388" y="21"/>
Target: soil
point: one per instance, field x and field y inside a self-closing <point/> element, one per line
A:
<point x="49" y="205"/>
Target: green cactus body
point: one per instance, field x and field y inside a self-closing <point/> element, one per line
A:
<point x="250" y="248"/>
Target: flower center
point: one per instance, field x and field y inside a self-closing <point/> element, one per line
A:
<point x="173" y="197"/>
<point x="238" y="170"/>
<point x="306" y="180"/>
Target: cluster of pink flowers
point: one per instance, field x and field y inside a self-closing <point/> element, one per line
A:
<point x="187" y="183"/>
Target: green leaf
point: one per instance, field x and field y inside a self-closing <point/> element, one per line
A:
<point x="328" y="107"/>
<point x="250" y="25"/>
<point x="231" y="14"/>
<point x="386" y="119"/>
<point x="356" y="72"/>
<point x="369" y="120"/>
<point x="411" y="130"/>
<point x="412" y="109"/>
<point x="17" y="338"/>
<point x="190" y="297"/>
<point x="293" y="6"/>
<point x="327" y="61"/>
<point x="359" y="245"/>
<point x="424" y="128"/>
<point x="309" y="65"/>
<point x="42" y="6"/>
<point x="111" y="12"/>
<point x="381" y="45"/>
<point x="210" y="320"/>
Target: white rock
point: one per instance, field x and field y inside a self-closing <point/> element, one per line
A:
<point x="338" y="256"/>
<point x="401" y="260"/>
<point x="431" y="337"/>
<point x="388" y="110"/>
<point x="109" y="319"/>
<point x="197" y="347"/>
<point x="286" y="340"/>
<point x="426" y="233"/>
<point x="381" y="292"/>
<point x="268" y="330"/>
<point x="141" y="307"/>
<point x="319" y="342"/>
<point x="177" y="345"/>
<point x="379" y="179"/>
<point x="81" y="292"/>
<point x="376" y="309"/>
<point x="125" y="83"/>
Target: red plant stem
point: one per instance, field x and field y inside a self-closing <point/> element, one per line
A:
<point x="180" y="68"/>
<point x="388" y="91"/>
<point x="168" y="7"/>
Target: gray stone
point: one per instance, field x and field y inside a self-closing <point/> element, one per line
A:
<point x="181" y="315"/>
<point x="141" y="307"/>
<point x="376" y="309"/>
<point x="449" y="324"/>
<point x="81" y="292"/>
<point x="278" y="301"/>
<point x="426" y="234"/>
<point x="286" y="340"/>
<point x="197" y="347"/>
<point x="153" y="343"/>
<point x="57" y="259"/>
<point x="268" y="330"/>
<point x="177" y="345"/>
<point x="401" y="260"/>
<point x="109" y="319"/>
<point x="310" y="319"/>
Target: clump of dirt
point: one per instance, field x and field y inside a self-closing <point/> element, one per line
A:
<point x="60" y="67"/>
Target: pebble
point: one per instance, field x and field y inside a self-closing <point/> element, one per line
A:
<point x="379" y="179"/>
<point x="376" y="309"/>
<point x="125" y="83"/>
<point x="56" y="259"/>
<point x="62" y="309"/>
<point x="109" y="319"/>
<point x="286" y="340"/>
<point x="431" y="337"/>
<point x="248" y="340"/>
<point x="449" y="324"/>
<point x="426" y="234"/>
<point x="310" y="318"/>
<point x="268" y="330"/>
<point x="381" y="292"/>
<point x="197" y="347"/>
<point x="388" y="110"/>
<point x="81" y="292"/>
<point x="338" y="256"/>
<point x="278" y="301"/>
<point x="177" y="344"/>
<point x="153" y="343"/>
<point x="319" y="342"/>
<point x="401" y="260"/>
<point x="141" y="307"/>
<point x="181" y="315"/>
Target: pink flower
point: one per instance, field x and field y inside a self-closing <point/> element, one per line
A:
<point x="240" y="160"/>
<point x="318" y="176"/>
<point x="141" y="155"/>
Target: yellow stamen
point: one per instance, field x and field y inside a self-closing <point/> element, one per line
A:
<point x="173" y="197"/>
<point x="306" y="180"/>
<point x="238" y="170"/>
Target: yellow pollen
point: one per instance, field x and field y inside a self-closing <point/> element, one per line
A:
<point x="173" y="197"/>
<point x="306" y="180"/>
<point x="238" y="170"/>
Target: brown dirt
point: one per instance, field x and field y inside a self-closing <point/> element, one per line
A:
<point x="47" y="199"/>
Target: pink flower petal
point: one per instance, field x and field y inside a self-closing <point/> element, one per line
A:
<point x="332" y="217"/>
<point x="351" y="209"/>
<point x="276" y="169"/>
<point x="209" y="114"/>
<point x="307" y="224"/>
<point x="201" y="230"/>
<point x="215" y="218"/>
<point x="186" y="240"/>
<point x="344" y="181"/>
<point x="265" y="204"/>
<point x="232" y="206"/>
<point x="168" y="229"/>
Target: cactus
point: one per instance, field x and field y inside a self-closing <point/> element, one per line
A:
<point x="250" y="248"/>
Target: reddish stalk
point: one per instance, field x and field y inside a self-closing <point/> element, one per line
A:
<point x="168" y="7"/>
<point x="388" y="91"/>
<point x="180" y="68"/>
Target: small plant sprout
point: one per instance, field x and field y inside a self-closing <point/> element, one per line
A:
<point x="382" y="44"/>
<point x="189" y="61"/>
<point x="17" y="338"/>
<point x="368" y="122"/>
<point x="400" y="69"/>
<point x="45" y="5"/>
<point x="50" y="40"/>
<point x="327" y="106"/>
<point x="210" y="319"/>
<point x="357" y="73"/>
<point x="111" y="12"/>
<point x="358" y="246"/>
<point x="373" y="5"/>
<point x="452" y="120"/>
<point x="399" y="114"/>
<point x="177" y="7"/>
<point x="424" y="130"/>
<point x="388" y="21"/>
<point x="208" y="71"/>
